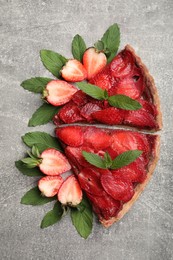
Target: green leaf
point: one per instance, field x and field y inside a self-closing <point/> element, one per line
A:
<point x="83" y="219"/>
<point x="111" y="40"/>
<point x="27" y="171"/>
<point x="52" y="216"/>
<point x="124" y="102"/>
<point x="94" y="159"/>
<point x="99" y="45"/>
<point x="35" y="198"/>
<point x="125" y="158"/>
<point x="35" y="152"/>
<point x="31" y="162"/>
<point x="92" y="90"/>
<point x="53" y="61"/>
<point x="43" y="115"/>
<point x="42" y="140"/>
<point x="35" y="85"/>
<point x="78" y="47"/>
<point x="107" y="160"/>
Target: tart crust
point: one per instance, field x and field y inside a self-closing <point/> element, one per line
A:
<point x="150" y="84"/>
<point x="139" y="188"/>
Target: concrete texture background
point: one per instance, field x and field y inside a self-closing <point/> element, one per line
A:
<point x="146" y="232"/>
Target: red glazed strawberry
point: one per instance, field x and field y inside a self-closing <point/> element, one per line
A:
<point x="88" y="109"/>
<point x="140" y="118"/>
<point x="89" y="180"/>
<point x="70" y="135"/>
<point x="148" y="107"/>
<point x="110" y="116"/>
<point x="122" y="65"/>
<point x="70" y="113"/>
<point x="117" y="188"/>
<point x="93" y="62"/>
<point x="80" y="98"/>
<point x="49" y="185"/>
<point x="134" y="172"/>
<point x="96" y="138"/>
<point x="70" y="192"/>
<point x="103" y="79"/>
<point x="73" y="71"/>
<point x="105" y="206"/>
<point x="53" y="162"/>
<point x="58" y="92"/>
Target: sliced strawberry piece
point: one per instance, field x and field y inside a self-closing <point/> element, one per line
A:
<point x="117" y="188"/>
<point x="122" y="65"/>
<point x="133" y="172"/>
<point x="93" y="62"/>
<point x="76" y="153"/>
<point x="56" y="120"/>
<point x="148" y="107"/>
<point x="73" y="71"/>
<point x="88" y="109"/>
<point x="70" y="192"/>
<point x="80" y="98"/>
<point x="127" y="87"/>
<point x="70" y="113"/>
<point x="53" y="162"/>
<point x="49" y="185"/>
<point x="105" y="206"/>
<point x="140" y="118"/>
<point x="103" y="79"/>
<point x="96" y="138"/>
<point x="110" y="116"/>
<point x="70" y="135"/>
<point x="59" y="92"/>
<point x="89" y="180"/>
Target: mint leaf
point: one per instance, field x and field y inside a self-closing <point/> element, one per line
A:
<point x="107" y="160"/>
<point x="52" y="216"/>
<point x="27" y="171"/>
<point x="92" y="90"/>
<point x="124" y="102"/>
<point x="83" y="219"/>
<point x="35" y="198"/>
<point x="43" y="115"/>
<point x="78" y="47"/>
<point x="125" y="158"/>
<point x="42" y="141"/>
<point x="35" y="85"/>
<point x="94" y="159"/>
<point x="53" y="61"/>
<point x="111" y="40"/>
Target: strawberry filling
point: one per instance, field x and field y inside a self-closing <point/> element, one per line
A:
<point x="107" y="189"/>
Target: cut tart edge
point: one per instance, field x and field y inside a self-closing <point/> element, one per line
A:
<point x="139" y="188"/>
<point x="149" y="80"/>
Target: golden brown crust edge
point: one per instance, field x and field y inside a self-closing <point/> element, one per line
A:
<point x="149" y="83"/>
<point x="139" y="188"/>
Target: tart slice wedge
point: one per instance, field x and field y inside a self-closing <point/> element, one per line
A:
<point x="111" y="180"/>
<point x="127" y="76"/>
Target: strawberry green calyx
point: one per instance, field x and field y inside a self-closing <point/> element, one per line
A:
<point x="45" y="93"/>
<point x="34" y="159"/>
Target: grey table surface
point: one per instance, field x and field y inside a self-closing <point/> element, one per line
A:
<point x="146" y="232"/>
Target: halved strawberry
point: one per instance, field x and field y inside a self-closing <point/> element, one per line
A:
<point x="105" y="206"/>
<point x="53" y="162"/>
<point x="93" y="61"/>
<point x="89" y="180"/>
<point x="70" y="113"/>
<point x="70" y="192"/>
<point x="96" y="138"/>
<point x="133" y="172"/>
<point x="73" y="71"/>
<point x="59" y="92"/>
<point x="110" y="116"/>
<point x="117" y="188"/>
<point x="70" y="135"/>
<point x="49" y="185"/>
<point x="122" y="65"/>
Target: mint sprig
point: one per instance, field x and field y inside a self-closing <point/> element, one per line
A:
<point x="120" y="161"/>
<point x="119" y="101"/>
<point x="36" y="85"/>
<point x="78" y="47"/>
<point x="53" y="216"/>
